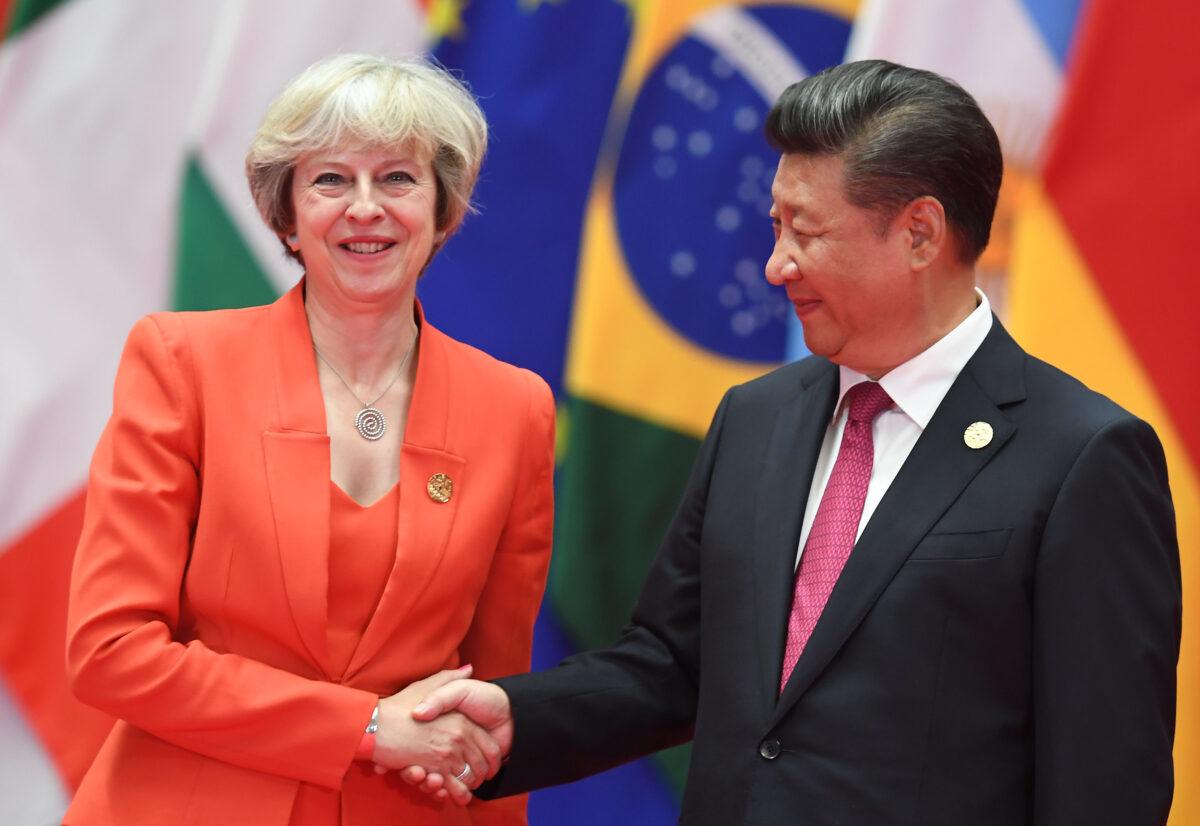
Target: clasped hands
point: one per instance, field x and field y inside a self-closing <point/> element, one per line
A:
<point x="446" y="734"/>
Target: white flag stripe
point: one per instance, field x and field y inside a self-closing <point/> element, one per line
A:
<point x="992" y="49"/>
<point x="95" y="104"/>
<point x="31" y="793"/>
<point x="752" y="48"/>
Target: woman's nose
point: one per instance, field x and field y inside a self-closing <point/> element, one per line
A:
<point x="365" y="206"/>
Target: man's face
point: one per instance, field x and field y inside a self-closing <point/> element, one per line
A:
<point x="847" y="273"/>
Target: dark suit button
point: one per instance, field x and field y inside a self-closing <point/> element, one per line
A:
<point x="769" y="749"/>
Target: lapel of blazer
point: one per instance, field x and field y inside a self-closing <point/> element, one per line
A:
<point x="935" y="473"/>
<point x="791" y="458"/>
<point x="296" y="453"/>
<point x="423" y="526"/>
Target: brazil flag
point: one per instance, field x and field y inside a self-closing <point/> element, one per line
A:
<point x="671" y="307"/>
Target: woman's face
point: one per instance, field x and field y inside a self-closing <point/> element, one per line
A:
<point x="365" y="220"/>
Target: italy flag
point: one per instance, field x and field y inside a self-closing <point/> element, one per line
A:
<point x="123" y="124"/>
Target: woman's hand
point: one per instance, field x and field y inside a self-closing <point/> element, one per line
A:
<point x="444" y="746"/>
<point x="485" y="704"/>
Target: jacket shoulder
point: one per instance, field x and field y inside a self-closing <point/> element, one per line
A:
<point x="1064" y="403"/>
<point x="204" y="326"/>
<point x="192" y="335"/>
<point x="1030" y="389"/>
<point x="491" y="377"/>
<point x="783" y="382"/>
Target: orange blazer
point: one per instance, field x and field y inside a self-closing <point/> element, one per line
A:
<point x="198" y="597"/>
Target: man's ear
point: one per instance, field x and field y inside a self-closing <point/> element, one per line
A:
<point x="924" y="223"/>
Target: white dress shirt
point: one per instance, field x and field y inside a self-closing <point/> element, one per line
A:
<point x="917" y="387"/>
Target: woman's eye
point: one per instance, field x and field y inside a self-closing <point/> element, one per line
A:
<point x="398" y="178"/>
<point x="327" y="178"/>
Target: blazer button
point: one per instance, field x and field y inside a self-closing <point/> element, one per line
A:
<point x="769" y="749"/>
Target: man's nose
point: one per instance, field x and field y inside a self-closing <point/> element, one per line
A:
<point x="780" y="267"/>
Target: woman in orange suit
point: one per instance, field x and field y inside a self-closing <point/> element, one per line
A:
<point x="298" y="513"/>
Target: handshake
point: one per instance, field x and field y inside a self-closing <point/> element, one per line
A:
<point x="445" y="734"/>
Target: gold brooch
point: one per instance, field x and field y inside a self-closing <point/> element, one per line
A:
<point x="440" y="488"/>
<point x="977" y="435"/>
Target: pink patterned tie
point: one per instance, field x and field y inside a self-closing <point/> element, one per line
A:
<point x="836" y="523"/>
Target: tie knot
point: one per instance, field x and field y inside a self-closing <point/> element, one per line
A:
<point x="867" y="400"/>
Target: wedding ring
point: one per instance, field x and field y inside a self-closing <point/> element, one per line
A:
<point x="462" y="775"/>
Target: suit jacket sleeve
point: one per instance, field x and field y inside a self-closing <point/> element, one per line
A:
<point x="122" y="650"/>
<point x="602" y="708"/>
<point x="500" y="639"/>
<point x="1106" y="637"/>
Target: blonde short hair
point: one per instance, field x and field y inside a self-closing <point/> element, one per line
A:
<point x="355" y="100"/>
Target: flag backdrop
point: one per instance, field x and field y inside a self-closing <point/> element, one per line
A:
<point x="122" y="128"/>
<point x="1104" y="267"/>
<point x="671" y="306"/>
<point x="618" y="253"/>
<point x="1098" y="112"/>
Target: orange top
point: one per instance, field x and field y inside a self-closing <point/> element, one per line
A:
<point x="362" y="551"/>
<point x="200" y="592"/>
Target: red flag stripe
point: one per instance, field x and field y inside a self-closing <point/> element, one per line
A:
<point x="6" y="7"/>
<point x="34" y="575"/>
<point x="1124" y="174"/>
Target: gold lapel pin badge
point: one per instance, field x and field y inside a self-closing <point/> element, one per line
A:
<point x="978" y="435"/>
<point x="440" y="487"/>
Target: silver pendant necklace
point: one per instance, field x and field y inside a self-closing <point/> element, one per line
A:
<point x="370" y="421"/>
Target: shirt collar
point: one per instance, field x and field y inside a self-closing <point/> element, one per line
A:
<point x="918" y="385"/>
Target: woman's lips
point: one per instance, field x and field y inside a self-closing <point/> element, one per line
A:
<point x="367" y="247"/>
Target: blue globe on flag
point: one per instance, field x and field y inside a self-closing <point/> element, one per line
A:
<point x="694" y="159"/>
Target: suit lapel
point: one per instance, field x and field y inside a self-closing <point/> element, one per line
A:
<point x="424" y="523"/>
<point x="940" y="466"/>
<point x="296" y="455"/>
<point x="791" y="458"/>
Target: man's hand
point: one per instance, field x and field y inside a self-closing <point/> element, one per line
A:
<point x="461" y="753"/>
<point x="484" y="703"/>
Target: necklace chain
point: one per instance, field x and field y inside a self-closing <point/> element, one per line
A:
<point x="370" y="422"/>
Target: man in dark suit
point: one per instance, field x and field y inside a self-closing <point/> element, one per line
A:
<point x="918" y="578"/>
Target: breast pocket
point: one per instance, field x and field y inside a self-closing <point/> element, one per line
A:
<point x="962" y="545"/>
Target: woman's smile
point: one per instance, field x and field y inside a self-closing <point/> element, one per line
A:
<point x="365" y="220"/>
<point x="367" y="247"/>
